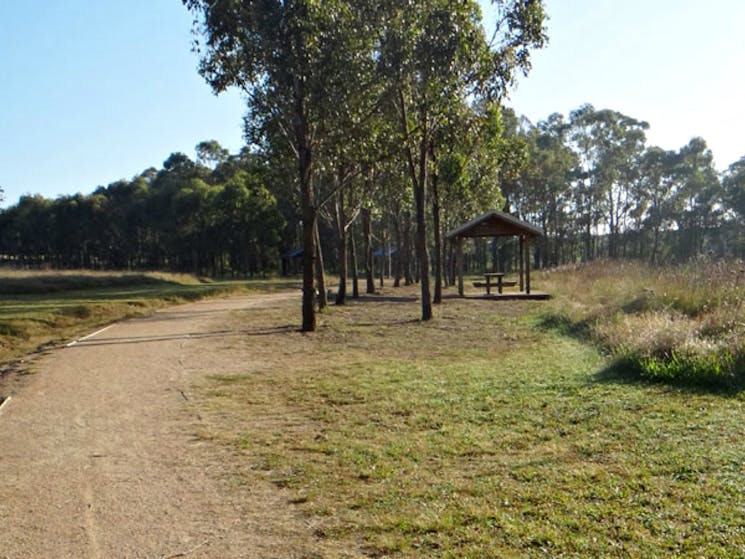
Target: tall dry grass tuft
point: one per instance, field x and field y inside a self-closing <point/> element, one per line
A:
<point x="677" y="324"/>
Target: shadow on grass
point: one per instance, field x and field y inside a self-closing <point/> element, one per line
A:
<point x="372" y="298"/>
<point x="636" y="369"/>
<point x="628" y="371"/>
<point x="562" y="324"/>
<point x="124" y="285"/>
<point x="167" y="315"/>
<point x="267" y="286"/>
<point x="55" y="283"/>
<point x="389" y="323"/>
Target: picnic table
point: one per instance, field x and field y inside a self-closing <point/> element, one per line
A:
<point x="500" y="283"/>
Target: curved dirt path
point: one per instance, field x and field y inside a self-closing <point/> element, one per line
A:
<point x="98" y="457"/>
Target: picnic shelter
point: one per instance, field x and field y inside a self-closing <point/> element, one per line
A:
<point x="497" y="224"/>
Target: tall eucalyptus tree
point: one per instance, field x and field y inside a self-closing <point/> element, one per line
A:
<point x="296" y="61"/>
<point x="733" y="184"/>
<point x="608" y="144"/>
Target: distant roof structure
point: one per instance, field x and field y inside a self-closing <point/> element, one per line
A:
<point x="293" y="253"/>
<point x="495" y="224"/>
<point x="388" y="252"/>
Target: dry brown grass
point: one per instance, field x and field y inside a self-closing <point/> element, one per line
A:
<point x="683" y="323"/>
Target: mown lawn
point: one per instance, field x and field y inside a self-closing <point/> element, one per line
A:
<point x="480" y="434"/>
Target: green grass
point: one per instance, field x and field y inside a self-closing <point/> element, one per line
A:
<point x="40" y="308"/>
<point x="481" y="434"/>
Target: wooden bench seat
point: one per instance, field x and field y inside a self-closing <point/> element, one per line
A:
<point x="504" y="284"/>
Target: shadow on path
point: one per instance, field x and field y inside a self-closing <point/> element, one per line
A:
<point x="370" y="298"/>
<point x="185" y="336"/>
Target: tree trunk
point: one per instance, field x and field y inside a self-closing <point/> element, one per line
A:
<point x="420" y="196"/>
<point x="419" y="183"/>
<point x="369" y="260"/>
<point x="612" y="226"/>
<point x="408" y="277"/>
<point x="342" y="249"/>
<point x="341" y="222"/>
<point x="320" y="274"/>
<point x="437" y="233"/>
<point x="397" y="273"/>
<point x="307" y="202"/>
<point x="383" y="249"/>
<point x="655" y="245"/>
<point x="309" y="256"/>
<point x="355" y="271"/>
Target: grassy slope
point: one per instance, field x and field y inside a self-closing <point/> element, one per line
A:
<point x="39" y="308"/>
<point x="480" y="434"/>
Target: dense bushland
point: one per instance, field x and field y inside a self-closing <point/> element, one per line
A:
<point x="240" y="215"/>
<point x="186" y="217"/>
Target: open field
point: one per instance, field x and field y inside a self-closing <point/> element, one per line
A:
<point x="481" y="434"/>
<point x="41" y="308"/>
<point x="499" y="429"/>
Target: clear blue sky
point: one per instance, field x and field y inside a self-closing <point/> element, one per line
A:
<point x="95" y="91"/>
<point x="98" y="90"/>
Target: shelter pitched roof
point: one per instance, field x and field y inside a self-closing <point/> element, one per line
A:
<point x="495" y="224"/>
<point x="293" y="253"/>
<point x="389" y="252"/>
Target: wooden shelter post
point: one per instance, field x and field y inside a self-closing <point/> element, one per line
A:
<point x="521" y="256"/>
<point x="527" y="265"/>
<point x="459" y="263"/>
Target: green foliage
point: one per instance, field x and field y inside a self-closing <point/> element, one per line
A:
<point x="443" y="76"/>
<point x="711" y="369"/>
<point x="211" y="152"/>
<point x="598" y="190"/>
<point x="305" y="67"/>
<point x="734" y="187"/>
<point x="184" y="218"/>
<point x="323" y="81"/>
